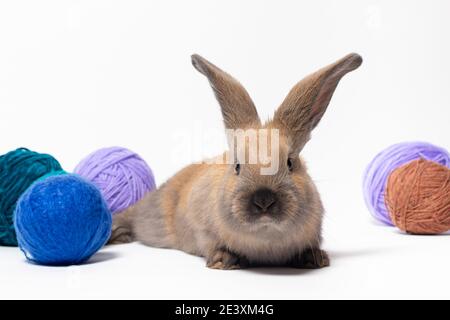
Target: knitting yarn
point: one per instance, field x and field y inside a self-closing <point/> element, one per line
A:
<point x="122" y="176"/>
<point x="61" y="220"/>
<point x="418" y="197"/>
<point x="18" y="170"/>
<point x="378" y="171"/>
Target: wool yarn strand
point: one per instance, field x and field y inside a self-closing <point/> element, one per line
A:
<point x="18" y="170"/>
<point x="62" y="220"/>
<point x="122" y="176"/>
<point x="418" y="197"/>
<point x="379" y="169"/>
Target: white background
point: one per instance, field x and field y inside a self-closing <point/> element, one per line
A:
<point x="79" y="75"/>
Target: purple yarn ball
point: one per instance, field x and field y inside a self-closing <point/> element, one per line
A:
<point x="122" y="176"/>
<point x="378" y="171"/>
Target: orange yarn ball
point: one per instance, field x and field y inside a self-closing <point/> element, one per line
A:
<point x="418" y="197"/>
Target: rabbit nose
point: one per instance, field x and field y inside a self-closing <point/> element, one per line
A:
<point x="264" y="199"/>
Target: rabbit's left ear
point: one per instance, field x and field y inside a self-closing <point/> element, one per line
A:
<point x="306" y="103"/>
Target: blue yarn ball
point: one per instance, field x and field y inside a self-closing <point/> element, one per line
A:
<point x="61" y="220"/>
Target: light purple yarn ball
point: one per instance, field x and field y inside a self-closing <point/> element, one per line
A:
<point x="378" y="171"/>
<point x="122" y="176"/>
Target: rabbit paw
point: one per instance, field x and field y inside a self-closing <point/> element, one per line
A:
<point x="225" y="260"/>
<point x="310" y="259"/>
<point x="120" y="235"/>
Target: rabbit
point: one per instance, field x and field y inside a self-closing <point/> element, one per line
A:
<point x="230" y="213"/>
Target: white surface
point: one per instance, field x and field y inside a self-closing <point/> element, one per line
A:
<point x="373" y="262"/>
<point x="79" y="75"/>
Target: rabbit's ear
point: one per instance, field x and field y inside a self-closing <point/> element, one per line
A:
<point x="306" y="103"/>
<point x="238" y="110"/>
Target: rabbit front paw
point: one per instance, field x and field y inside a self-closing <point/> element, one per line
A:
<point x="224" y="259"/>
<point x="314" y="258"/>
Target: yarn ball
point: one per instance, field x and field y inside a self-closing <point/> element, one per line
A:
<point x="62" y="220"/>
<point x="418" y="197"/>
<point x="18" y="170"/>
<point x="378" y="171"/>
<point x="122" y="176"/>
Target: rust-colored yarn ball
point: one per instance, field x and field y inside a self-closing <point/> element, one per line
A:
<point x="418" y="197"/>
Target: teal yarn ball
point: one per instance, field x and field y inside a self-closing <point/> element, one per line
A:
<point x="18" y="170"/>
<point x="62" y="220"/>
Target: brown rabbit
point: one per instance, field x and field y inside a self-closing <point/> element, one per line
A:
<point x="230" y="213"/>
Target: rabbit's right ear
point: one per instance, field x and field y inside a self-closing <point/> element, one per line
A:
<point x="238" y="110"/>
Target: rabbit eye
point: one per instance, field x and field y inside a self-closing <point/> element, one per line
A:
<point x="290" y="164"/>
<point x="237" y="168"/>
